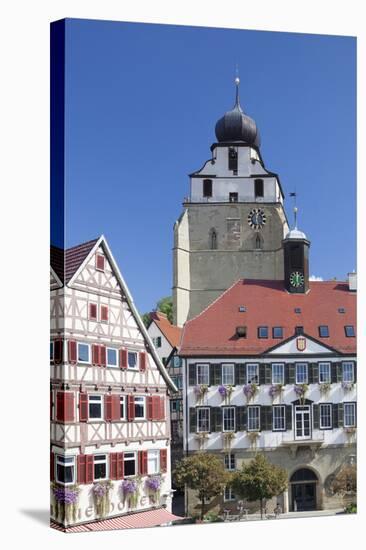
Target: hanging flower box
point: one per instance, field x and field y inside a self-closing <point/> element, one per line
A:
<point x="250" y="391"/>
<point x="350" y="430"/>
<point x="228" y="438"/>
<point x="324" y="388"/>
<point x="200" y="391"/>
<point x="226" y="391"/>
<point x="300" y="390"/>
<point x="66" y="502"/>
<point x="153" y="485"/>
<point x="347" y="386"/>
<point x="130" y="491"/>
<point x="275" y="390"/>
<point x="253" y="437"/>
<point x="101" y="494"/>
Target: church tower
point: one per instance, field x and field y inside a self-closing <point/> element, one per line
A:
<point x="233" y="222"/>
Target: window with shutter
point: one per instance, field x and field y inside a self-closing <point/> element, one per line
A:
<point x="92" y="312"/>
<point x="83" y="407"/>
<point x="288" y="417"/>
<point x="142" y="463"/>
<point x="81" y="467"/>
<point x="104" y="314"/>
<point x="142" y="361"/>
<point x="192" y="420"/>
<point x="89" y="469"/>
<point x="131" y="407"/>
<point x="99" y="262"/>
<point x="58" y="351"/>
<point x="108" y="408"/>
<point x="103" y="356"/>
<point x="279" y="418"/>
<point x="71" y="351"/>
<point x="95" y="354"/>
<point x="123" y="358"/>
<point x="163" y="460"/>
<point x="162" y="408"/>
<point x="192" y="375"/>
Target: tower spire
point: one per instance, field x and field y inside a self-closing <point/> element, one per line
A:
<point x="237" y="82"/>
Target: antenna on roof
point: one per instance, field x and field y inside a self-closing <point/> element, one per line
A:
<point x="237" y="82"/>
<point x="294" y="195"/>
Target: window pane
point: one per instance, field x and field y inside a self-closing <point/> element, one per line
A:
<point x="323" y="331"/>
<point x="262" y="332"/>
<point x="130" y="466"/>
<point x="325" y="416"/>
<point x="65" y="474"/>
<point x="277" y="332"/>
<point x="349" y="414"/>
<point x="95" y="406"/>
<point x="203" y="375"/>
<point x="203" y="420"/>
<point x="324" y="372"/>
<point x="112" y="356"/>
<point x="228" y="375"/>
<point x="252" y="374"/>
<point x="279" y="417"/>
<point x="132" y="359"/>
<point x="277" y="373"/>
<point x="122" y="407"/>
<point x="51" y="351"/>
<point x="139" y="407"/>
<point x="350" y="330"/>
<point x="301" y="373"/>
<point x="83" y="353"/>
<point x="253" y="418"/>
<point x="348" y="374"/>
<point x="229" y="419"/>
<point x="152" y="462"/>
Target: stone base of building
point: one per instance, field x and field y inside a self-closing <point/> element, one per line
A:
<point x="310" y="475"/>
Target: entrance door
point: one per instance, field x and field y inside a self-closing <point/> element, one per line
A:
<point x="303" y="497"/>
<point x="302" y="422"/>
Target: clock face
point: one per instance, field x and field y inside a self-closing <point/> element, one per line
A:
<point x="296" y="279"/>
<point x="256" y="218"/>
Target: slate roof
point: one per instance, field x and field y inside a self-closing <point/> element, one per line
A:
<point x="171" y="332"/>
<point x="66" y="262"/>
<point x="267" y="303"/>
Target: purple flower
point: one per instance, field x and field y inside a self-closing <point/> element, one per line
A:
<point x="274" y="390"/>
<point x="64" y="495"/>
<point x="250" y="390"/>
<point x="153" y="483"/>
<point x="197" y="390"/>
<point x="222" y="391"/>
<point x="99" y="490"/>
<point x="129" y="486"/>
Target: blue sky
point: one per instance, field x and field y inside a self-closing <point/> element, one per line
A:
<point x="142" y="101"/>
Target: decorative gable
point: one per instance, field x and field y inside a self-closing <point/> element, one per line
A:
<point x="301" y="344"/>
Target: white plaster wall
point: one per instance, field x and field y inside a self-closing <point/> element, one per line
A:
<point x="165" y="349"/>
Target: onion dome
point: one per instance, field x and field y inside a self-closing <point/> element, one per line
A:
<point x="235" y="125"/>
<point x="296" y="233"/>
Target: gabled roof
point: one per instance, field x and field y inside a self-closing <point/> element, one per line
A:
<point x="267" y="303"/>
<point x="73" y="261"/>
<point x="171" y="332"/>
<point x="65" y="263"/>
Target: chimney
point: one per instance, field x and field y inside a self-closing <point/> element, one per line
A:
<point x="352" y="281"/>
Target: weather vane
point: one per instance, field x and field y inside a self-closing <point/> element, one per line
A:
<point x="294" y="195"/>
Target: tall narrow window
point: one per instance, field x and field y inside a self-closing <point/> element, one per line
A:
<point x="258" y="188"/>
<point x="213" y="239"/>
<point x="233" y="159"/>
<point x="258" y="242"/>
<point x="207" y="188"/>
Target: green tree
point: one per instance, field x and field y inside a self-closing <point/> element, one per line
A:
<point x="204" y="473"/>
<point x="165" y="305"/>
<point x="259" y="480"/>
<point x="345" y="481"/>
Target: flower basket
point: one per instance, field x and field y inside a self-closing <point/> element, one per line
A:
<point x="153" y="485"/>
<point x="130" y="491"/>
<point x="226" y="391"/>
<point x="101" y="495"/>
<point x="300" y="390"/>
<point x="275" y="390"/>
<point x="324" y="388"/>
<point x="200" y="391"/>
<point x="250" y="391"/>
<point x="350" y="430"/>
<point x="66" y="502"/>
<point x="228" y="438"/>
<point x="253" y="437"/>
<point x="347" y="386"/>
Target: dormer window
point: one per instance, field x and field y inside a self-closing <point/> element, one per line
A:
<point x="350" y="331"/>
<point x="262" y="332"/>
<point x="99" y="262"/>
<point x="277" y="332"/>
<point x="241" y="332"/>
<point x="207" y="188"/>
<point x="324" y="331"/>
<point x="299" y="330"/>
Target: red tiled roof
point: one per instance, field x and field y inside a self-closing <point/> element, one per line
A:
<point x="66" y="262"/>
<point x="171" y="332"/>
<point x="267" y="303"/>
<point x="150" y="518"/>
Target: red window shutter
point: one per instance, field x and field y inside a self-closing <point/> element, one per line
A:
<point x="60" y="406"/>
<point x="100" y="262"/>
<point x="104" y="313"/>
<point x="57" y="353"/>
<point x="156" y="407"/>
<point x="142" y="463"/>
<point x="115" y="407"/>
<point x="103" y="355"/>
<point x="108" y="407"/>
<point x="93" y="312"/>
<point x="142" y="361"/>
<point x="113" y="465"/>
<point x="71" y="351"/>
<point x="120" y="466"/>
<point x="89" y="469"/>
<point x="52" y="466"/>
<point x="163" y="460"/>
<point x="83" y="407"/>
<point x="150" y="407"/>
<point x="162" y="408"/>
<point x="51" y="405"/>
<point x="123" y="358"/>
<point x="69" y="407"/>
<point x="95" y="354"/>
<point x="81" y="465"/>
<point x="131" y="407"/>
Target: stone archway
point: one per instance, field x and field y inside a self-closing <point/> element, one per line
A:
<point x="304" y="488"/>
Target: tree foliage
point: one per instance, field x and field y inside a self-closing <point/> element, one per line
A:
<point x="165" y="305"/>
<point x="204" y="473"/>
<point x="345" y="480"/>
<point x="259" y="480"/>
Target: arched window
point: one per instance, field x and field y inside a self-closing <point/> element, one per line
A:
<point x="213" y="239"/>
<point x="303" y="474"/>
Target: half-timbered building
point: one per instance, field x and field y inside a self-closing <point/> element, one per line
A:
<point x="110" y="419"/>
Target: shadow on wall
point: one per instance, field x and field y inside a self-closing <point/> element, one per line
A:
<point x="42" y="516"/>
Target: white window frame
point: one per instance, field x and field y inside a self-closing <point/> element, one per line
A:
<point x="321" y="407"/>
<point x="347" y="364"/>
<point x="90" y="398"/>
<point x="153" y="455"/>
<point x="257" y="418"/>
<point x="230" y="462"/>
<point x="130" y="459"/>
<point x="122" y="401"/>
<point x="329" y="378"/>
<point x="229" y="496"/>
<point x="207" y="412"/>
<point x="73" y="465"/>
<point x="77" y="351"/>
<point x="136" y="367"/>
<point x="205" y="375"/>
<point x="248" y="367"/>
<point x="116" y="352"/>
<point x="141" y="399"/>
<point x="282" y="418"/>
<point x="282" y="373"/>
<point x="306" y="365"/>
<point x="230" y="420"/>
<point x="228" y="380"/>
<point x="353" y="407"/>
<point x="100" y="461"/>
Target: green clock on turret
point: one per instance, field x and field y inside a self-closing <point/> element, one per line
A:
<point x="296" y="279"/>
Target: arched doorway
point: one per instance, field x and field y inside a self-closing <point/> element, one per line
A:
<point x="303" y="484"/>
